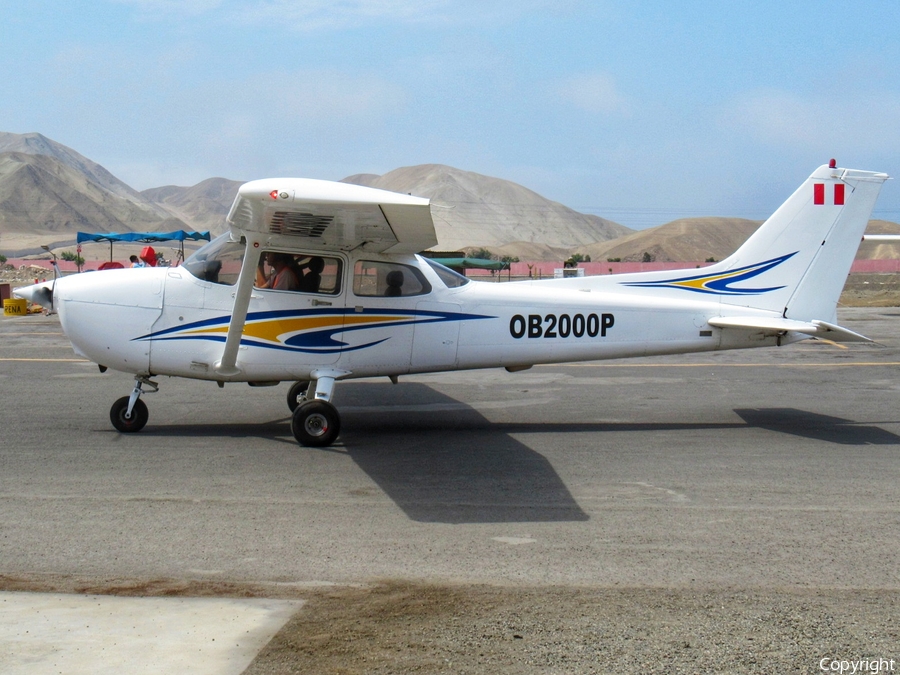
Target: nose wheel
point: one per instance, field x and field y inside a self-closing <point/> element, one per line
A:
<point x="129" y="414"/>
<point x="122" y="421"/>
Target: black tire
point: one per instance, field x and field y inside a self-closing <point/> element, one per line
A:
<point x="297" y="390"/>
<point x="316" y="424"/>
<point x="139" y="416"/>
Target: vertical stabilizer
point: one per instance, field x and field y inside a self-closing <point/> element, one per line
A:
<point x="803" y="252"/>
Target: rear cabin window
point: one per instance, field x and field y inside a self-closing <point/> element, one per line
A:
<point x="387" y="280"/>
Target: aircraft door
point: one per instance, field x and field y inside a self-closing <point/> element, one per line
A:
<point x="296" y="313"/>
<point x="291" y="326"/>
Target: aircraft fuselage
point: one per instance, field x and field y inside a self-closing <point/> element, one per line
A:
<point x="169" y="322"/>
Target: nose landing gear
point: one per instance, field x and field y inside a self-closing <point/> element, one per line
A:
<point x="129" y="414"/>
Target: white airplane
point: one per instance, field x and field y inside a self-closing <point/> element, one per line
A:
<point x="367" y="305"/>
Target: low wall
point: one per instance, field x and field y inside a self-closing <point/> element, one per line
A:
<point x="536" y="270"/>
<point x="545" y="270"/>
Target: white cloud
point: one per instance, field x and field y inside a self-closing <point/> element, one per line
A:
<point x="594" y="93"/>
<point x="316" y="96"/>
<point x="317" y="15"/>
<point x="326" y="14"/>
<point x="189" y="7"/>
<point x="281" y="122"/>
<point x="858" y="122"/>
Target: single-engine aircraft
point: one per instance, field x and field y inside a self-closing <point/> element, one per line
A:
<point x="318" y="281"/>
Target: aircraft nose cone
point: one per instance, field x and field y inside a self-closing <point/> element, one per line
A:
<point x="38" y="294"/>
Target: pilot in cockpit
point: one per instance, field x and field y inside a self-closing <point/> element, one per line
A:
<point x="281" y="276"/>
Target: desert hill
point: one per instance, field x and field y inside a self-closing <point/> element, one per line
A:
<point x="870" y="250"/>
<point x="38" y="145"/>
<point x="204" y="206"/>
<point x="710" y="237"/>
<point x="685" y="239"/>
<point x="48" y="201"/>
<point x="471" y="209"/>
<point x="48" y="192"/>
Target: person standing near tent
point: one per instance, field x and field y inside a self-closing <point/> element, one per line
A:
<point x="136" y="262"/>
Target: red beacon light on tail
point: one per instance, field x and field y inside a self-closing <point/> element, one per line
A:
<point x="832" y="164"/>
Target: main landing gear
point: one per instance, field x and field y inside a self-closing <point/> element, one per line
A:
<point x="315" y="421"/>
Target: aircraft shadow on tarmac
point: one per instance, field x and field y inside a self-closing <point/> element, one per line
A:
<point x="442" y="461"/>
<point x="817" y="427"/>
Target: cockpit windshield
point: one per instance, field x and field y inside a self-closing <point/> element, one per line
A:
<point x="450" y="278"/>
<point x="219" y="261"/>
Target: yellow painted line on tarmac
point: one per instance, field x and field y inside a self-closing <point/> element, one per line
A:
<point x="49" y="360"/>
<point x="720" y="365"/>
<point x="832" y="343"/>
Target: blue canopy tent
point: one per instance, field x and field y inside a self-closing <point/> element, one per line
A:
<point x="143" y="238"/>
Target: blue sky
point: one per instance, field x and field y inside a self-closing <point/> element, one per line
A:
<point x="641" y="112"/>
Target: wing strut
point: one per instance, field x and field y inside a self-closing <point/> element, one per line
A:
<point x="227" y="366"/>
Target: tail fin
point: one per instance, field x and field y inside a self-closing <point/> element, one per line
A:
<point x="806" y="247"/>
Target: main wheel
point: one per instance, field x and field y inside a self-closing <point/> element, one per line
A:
<point x="128" y="425"/>
<point x="297" y="390"/>
<point x="316" y="423"/>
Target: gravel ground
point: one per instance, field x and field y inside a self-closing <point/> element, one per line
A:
<point x="403" y="628"/>
<point x="399" y="627"/>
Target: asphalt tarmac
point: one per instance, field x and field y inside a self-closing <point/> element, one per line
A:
<point x="749" y="469"/>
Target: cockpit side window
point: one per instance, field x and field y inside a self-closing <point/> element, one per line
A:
<point x="220" y="262"/>
<point x="299" y="272"/>
<point x="387" y="280"/>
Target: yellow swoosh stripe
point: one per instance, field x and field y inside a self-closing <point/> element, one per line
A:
<point x="700" y="283"/>
<point x="271" y="329"/>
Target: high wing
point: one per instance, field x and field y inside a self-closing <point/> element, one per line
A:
<point x="333" y="216"/>
<point x="323" y="215"/>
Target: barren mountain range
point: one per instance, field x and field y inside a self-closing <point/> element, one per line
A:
<point x="470" y="209"/>
<point x="48" y="192"/>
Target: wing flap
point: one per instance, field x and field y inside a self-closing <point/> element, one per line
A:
<point x="778" y="326"/>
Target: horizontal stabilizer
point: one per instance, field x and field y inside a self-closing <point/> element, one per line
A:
<point x="778" y="325"/>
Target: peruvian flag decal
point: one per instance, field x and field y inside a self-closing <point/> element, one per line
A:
<point x="839" y="194"/>
<point x="819" y="194"/>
